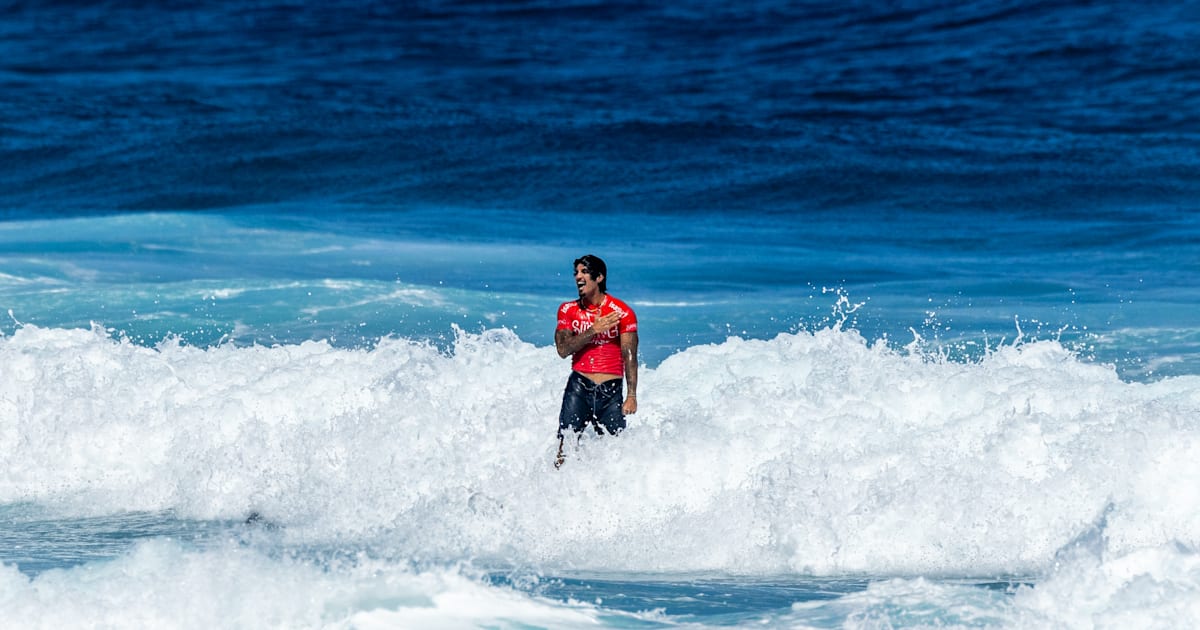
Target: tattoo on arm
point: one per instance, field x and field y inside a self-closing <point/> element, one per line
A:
<point x="568" y="343"/>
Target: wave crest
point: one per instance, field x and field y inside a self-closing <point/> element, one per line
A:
<point x="817" y="453"/>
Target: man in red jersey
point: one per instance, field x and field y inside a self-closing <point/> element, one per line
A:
<point x="599" y="333"/>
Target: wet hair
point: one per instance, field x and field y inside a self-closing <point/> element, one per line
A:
<point x="595" y="267"/>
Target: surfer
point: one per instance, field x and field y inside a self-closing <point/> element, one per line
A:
<point x="599" y="333"/>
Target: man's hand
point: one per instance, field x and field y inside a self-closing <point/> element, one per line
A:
<point x="568" y="343"/>
<point x="605" y="323"/>
<point x="629" y="347"/>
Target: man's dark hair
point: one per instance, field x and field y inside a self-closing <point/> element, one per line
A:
<point x="595" y="267"/>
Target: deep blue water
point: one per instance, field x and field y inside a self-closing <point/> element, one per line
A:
<point x="766" y="109"/>
<point x="945" y="179"/>
<point x="1011" y="159"/>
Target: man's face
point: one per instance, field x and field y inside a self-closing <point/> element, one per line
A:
<point x="584" y="281"/>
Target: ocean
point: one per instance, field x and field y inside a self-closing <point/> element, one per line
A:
<point x="916" y="282"/>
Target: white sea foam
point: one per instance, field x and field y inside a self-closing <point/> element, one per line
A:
<point x="1156" y="587"/>
<point x="408" y="296"/>
<point x="162" y="585"/>
<point x="810" y="453"/>
<point x="1153" y="587"/>
<point x="224" y="293"/>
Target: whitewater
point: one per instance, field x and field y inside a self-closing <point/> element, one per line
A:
<point x="375" y="472"/>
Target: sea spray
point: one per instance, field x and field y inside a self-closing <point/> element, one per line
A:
<point x="811" y="453"/>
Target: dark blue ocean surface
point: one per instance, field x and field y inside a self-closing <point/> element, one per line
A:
<point x="767" y="109"/>
<point x="957" y="166"/>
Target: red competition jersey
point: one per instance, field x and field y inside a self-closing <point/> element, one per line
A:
<point x="602" y="354"/>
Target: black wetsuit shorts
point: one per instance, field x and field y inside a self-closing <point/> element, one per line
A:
<point x="587" y="402"/>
